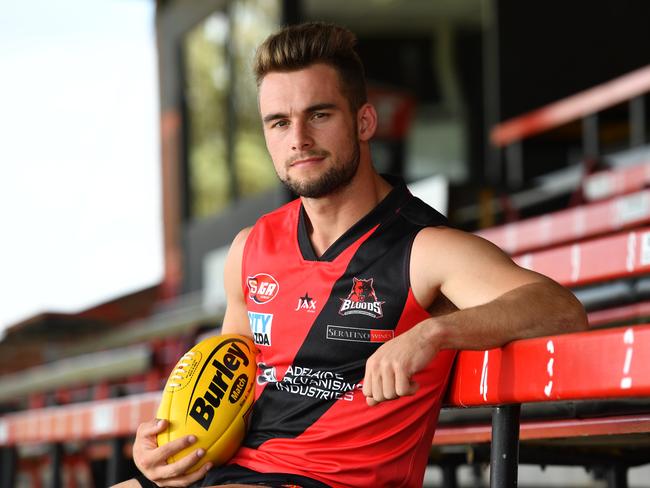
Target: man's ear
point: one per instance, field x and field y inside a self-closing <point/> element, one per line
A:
<point x="366" y="122"/>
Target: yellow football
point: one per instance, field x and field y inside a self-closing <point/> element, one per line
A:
<point x="210" y="394"/>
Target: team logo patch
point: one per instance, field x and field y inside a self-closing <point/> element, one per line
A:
<point x="261" y="324"/>
<point x="362" y="300"/>
<point x="267" y="374"/>
<point x="262" y="288"/>
<point x="355" y="334"/>
<point x="308" y="382"/>
<point x="306" y="303"/>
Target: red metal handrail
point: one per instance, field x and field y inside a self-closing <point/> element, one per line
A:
<point x="572" y="108"/>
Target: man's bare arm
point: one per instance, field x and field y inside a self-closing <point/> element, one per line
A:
<point x="497" y="302"/>
<point x="150" y="459"/>
<point x="235" y="319"/>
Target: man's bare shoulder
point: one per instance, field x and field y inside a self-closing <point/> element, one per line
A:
<point x="453" y="244"/>
<point x="455" y="262"/>
<point x="240" y="239"/>
<point x="235" y="255"/>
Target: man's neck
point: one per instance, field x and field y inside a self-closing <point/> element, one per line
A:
<point x="330" y="217"/>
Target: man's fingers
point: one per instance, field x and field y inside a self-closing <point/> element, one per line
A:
<point x="153" y="427"/>
<point x="377" y="388"/>
<point x="177" y="469"/>
<point x="168" y="450"/>
<point x="388" y="384"/>
<point x="403" y="386"/>
<point x="367" y="382"/>
<point x="186" y="480"/>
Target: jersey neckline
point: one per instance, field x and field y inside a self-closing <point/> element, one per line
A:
<point x="389" y="205"/>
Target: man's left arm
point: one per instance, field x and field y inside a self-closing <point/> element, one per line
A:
<point x="497" y="302"/>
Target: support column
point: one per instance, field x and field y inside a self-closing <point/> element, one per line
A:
<point x="116" y="463"/>
<point x="515" y="165"/>
<point x="8" y="463"/>
<point x="449" y="478"/>
<point x="637" y="121"/>
<point x="616" y="476"/>
<point x="56" y="466"/>
<point x="504" y="452"/>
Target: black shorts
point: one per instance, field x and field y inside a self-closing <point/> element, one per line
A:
<point x="233" y="473"/>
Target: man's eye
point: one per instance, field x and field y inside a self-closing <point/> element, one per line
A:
<point x="319" y="115"/>
<point x="279" y="123"/>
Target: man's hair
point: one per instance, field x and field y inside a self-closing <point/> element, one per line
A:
<point x="299" y="46"/>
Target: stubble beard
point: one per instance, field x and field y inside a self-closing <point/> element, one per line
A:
<point x="337" y="177"/>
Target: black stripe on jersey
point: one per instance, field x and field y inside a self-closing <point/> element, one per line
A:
<point x="385" y="257"/>
<point x="397" y="197"/>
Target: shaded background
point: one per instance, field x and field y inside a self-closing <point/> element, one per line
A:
<point x="132" y="152"/>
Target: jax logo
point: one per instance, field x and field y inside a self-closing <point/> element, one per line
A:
<point x="262" y="288"/>
<point x="306" y="303"/>
<point x="362" y="300"/>
<point x="261" y="324"/>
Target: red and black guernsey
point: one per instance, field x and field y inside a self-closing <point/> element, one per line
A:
<point x="316" y="321"/>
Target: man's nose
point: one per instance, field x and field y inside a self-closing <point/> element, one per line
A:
<point x="300" y="138"/>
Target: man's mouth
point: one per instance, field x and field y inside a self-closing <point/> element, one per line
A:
<point x="310" y="160"/>
<point x="307" y="160"/>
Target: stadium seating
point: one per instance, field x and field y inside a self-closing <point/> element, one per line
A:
<point x="592" y="387"/>
<point x="597" y="406"/>
<point x="600" y="364"/>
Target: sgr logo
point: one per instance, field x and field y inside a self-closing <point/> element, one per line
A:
<point x="261" y="327"/>
<point x="262" y="288"/>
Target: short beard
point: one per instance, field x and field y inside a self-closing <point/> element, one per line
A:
<point x="334" y="180"/>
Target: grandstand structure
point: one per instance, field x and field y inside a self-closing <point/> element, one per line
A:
<point x="576" y="399"/>
<point x="592" y="386"/>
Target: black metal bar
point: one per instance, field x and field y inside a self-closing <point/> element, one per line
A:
<point x="504" y="452"/>
<point x="8" y="461"/>
<point x="116" y="467"/>
<point x="515" y="165"/>
<point x="616" y="476"/>
<point x="449" y="476"/>
<point x="56" y="466"/>
<point x="493" y="172"/>
<point x="590" y="137"/>
<point x="291" y="12"/>
<point x="637" y="121"/>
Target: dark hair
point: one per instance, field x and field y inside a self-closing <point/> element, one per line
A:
<point x="299" y="46"/>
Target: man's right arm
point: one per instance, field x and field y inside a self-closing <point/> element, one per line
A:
<point x="150" y="459"/>
<point x="235" y="320"/>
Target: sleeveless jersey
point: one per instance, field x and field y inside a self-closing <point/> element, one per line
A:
<point x="316" y="321"/>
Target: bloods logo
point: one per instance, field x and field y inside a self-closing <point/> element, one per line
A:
<point x="362" y="300"/>
<point x="262" y="288"/>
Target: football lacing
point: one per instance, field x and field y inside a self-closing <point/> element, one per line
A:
<point x="180" y="371"/>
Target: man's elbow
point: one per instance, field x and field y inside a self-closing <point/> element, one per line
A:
<point x="580" y="322"/>
<point x="576" y="317"/>
<point x="568" y="312"/>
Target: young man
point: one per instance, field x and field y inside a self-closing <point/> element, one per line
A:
<point x="357" y="294"/>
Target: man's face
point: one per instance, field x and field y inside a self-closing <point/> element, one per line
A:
<point x="310" y="131"/>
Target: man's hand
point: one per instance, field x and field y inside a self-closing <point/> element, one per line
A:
<point x="390" y="368"/>
<point x="151" y="460"/>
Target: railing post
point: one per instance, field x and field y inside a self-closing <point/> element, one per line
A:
<point x="616" y="476"/>
<point x="449" y="478"/>
<point x="56" y="465"/>
<point x="8" y="461"/>
<point x="116" y="462"/>
<point x="504" y="451"/>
